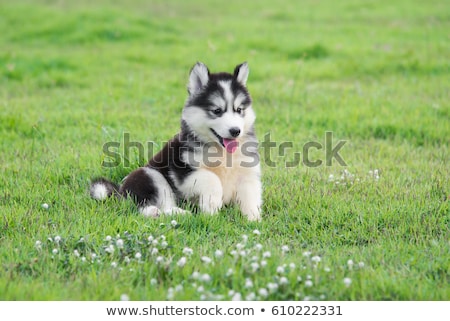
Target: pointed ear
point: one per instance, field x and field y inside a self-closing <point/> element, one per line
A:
<point x="198" y="78"/>
<point x="241" y="73"/>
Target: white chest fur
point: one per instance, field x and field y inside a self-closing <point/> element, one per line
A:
<point x="231" y="169"/>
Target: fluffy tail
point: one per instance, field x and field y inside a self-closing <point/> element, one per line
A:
<point x="101" y="189"/>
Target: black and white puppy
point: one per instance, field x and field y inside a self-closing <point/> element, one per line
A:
<point x="212" y="162"/>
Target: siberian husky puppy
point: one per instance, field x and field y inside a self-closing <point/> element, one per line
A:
<point x="211" y="162"/>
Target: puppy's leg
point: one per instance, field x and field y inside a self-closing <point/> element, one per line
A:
<point x="151" y="192"/>
<point x="206" y="187"/>
<point x="248" y="194"/>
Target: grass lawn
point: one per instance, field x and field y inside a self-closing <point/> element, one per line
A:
<point x="75" y="75"/>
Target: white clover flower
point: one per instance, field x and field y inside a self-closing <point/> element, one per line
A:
<point x="308" y="283"/>
<point x="350" y="264"/>
<point x="113" y="264"/>
<point x="159" y="259"/>
<point x="273" y="287"/>
<point x="150" y="238"/>
<point x="55" y="251"/>
<point x="306" y="298"/>
<point x="153" y="282"/>
<point x="179" y="288"/>
<point x="195" y="275"/>
<point x="57" y="238"/>
<point x="316" y="259"/>
<point x="170" y="294"/>
<point x="76" y="253"/>
<point x="285" y="249"/>
<point x="218" y="253"/>
<point x="229" y="272"/>
<point x="174" y="223"/>
<point x="205" y="278"/>
<point x="258" y="247"/>
<point x="138" y="255"/>
<point x="93" y="256"/>
<point x="331" y="178"/>
<point x="206" y="259"/>
<point x="308" y="277"/>
<point x="283" y="280"/>
<point x="124" y="297"/>
<point x="200" y="289"/>
<point x="243" y="253"/>
<point x="322" y="296"/>
<point x="306" y="253"/>
<point x="119" y="244"/>
<point x="38" y="244"/>
<point x="45" y="206"/>
<point x="254" y="266"/>
<point x="327" y="269"/>
<point x="126" y="259"/>
<point x="187" y="251"/>
<point x="108" y="238"/>
<point x="162" y="237"/>
<point x="110" y="249"/>
<point x="83" y="259"/>
<point x="263" y="292"/>
<point x="154" y="251"/>
<point x="292" y="266"/>
<point x="164" y="244"/>
<point x="375" y="174"/>
<point x="245" y="238"/>
<point x="182" y="261"/>
<point x="256" y="232"/>
<point x="81" y="240"/>
<point x="239" y="246"/>
<point x="361" y="265"/>
<point x="251" y="296"/>
<point x="263" y="263"/>
<point x="254" y="258"/>
<point x="155" y="242"/>
<point x="236" y="297"/>
<point x="248" y="283"/>
<point x="299" y="279"/>
<point x="347" y="282"/>
<point x="280" y="270"/>
<point x="267" y="254"/>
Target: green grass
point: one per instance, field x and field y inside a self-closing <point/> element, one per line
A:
<point x="75" y="75"/>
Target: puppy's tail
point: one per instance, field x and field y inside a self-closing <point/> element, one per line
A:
<point x="102" y="188"/>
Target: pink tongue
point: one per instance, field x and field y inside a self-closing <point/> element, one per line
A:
<point x="230" y="145"/>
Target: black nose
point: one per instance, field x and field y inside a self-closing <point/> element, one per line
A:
<point x="234" y="131"/>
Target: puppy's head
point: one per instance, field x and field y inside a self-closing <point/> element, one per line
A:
<point x="219" y="107"/>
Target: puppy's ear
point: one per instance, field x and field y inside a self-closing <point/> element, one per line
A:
<point x="241" y="73"/>
<point x="198" y="78"/>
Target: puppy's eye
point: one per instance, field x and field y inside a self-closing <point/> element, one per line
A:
<point x="217" y="111"/>
<point x="239" y="110"/>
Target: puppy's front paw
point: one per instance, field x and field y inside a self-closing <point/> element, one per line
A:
<point x="252" y="214"/>
<point x="176" y="210"/>
<point x="211" y="204"/>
